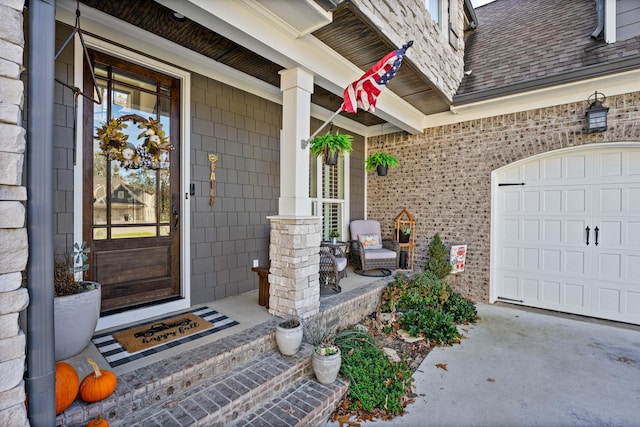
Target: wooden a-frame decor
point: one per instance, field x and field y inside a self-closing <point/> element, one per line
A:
<point x="405" y="234"/>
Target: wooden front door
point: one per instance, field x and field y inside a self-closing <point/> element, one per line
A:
<point x="131" y="211"/>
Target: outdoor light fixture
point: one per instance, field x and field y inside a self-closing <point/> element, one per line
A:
<point x="596" y="113"/>
<point x="178" y="17"/>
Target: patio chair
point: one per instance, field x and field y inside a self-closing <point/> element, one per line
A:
<point x="332" y="268"/>
<point x="368" y="251"/>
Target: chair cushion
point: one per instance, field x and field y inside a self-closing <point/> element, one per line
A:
<point x="360" y="227"/>
<point x="370" y="241"/>
<point x="379" y="254"/>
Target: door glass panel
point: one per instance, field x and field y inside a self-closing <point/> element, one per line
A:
<point x="130" y="203"/>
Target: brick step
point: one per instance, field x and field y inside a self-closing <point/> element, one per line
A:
<point x="161" y="381"/>
<point x="224" y="398"/>
<point x="305" y="403"/>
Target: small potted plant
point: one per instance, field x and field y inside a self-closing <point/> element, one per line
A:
<point x="289" y="335"/>
<point x="326" y="359"/>
<point x="404" y="233"/>
<point x="381" y="162"/>
<point x="76" y="303"/>
<point x="330" y="145"/>
<point x="334" y="234"/>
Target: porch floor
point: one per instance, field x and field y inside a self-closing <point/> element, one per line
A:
<point x="243" y="308"/>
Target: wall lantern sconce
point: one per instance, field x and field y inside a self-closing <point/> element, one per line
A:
<point x="596" y="113"/>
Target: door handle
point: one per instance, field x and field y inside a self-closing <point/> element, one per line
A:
<point x="176" y="216"/>
<point x="587" y="230"/>
<point x="596" y="230"/>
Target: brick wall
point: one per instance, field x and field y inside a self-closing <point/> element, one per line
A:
<point x="244" y="131"/>
<point x="403" y="20"/>
<point x="13" y="233"/>
<point x="444" y="177"/>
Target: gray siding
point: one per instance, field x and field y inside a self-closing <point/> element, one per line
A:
<point x="627" y="19"/>
<point x="243" y="130"/>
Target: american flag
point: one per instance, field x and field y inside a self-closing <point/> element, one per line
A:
<point x="363" y="93"/>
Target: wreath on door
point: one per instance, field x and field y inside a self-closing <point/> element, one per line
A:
<point x="149" y="154"/>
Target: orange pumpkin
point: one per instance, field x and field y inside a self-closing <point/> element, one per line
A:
<point x="97" y="385"/>
<point x="98" y="422"/>
<point x="66" y="386"/>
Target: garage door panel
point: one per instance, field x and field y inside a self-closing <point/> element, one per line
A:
<point x="633" y="200"/>
<point x="576" y="167"/>
<point x="575" y="263"/>
<point x="575" y="234"/>
<point x="551" y="261"/>
<point x="552" y="169"/>
<point x="530" y="230"/>
<point x="531" y="201"/>
<point x="544" y="260"/>
<point x="510" y="257"/>
<point x="609" y="234"/>
<point x="575" y="295"/>
<point x="552" y="231"/>
<point x="511" y="202"/>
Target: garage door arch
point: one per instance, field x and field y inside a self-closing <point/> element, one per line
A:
<point x="547" y="212"/>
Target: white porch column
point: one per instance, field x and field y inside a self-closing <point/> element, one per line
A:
<point x="297" y="86"/>
<point x="295" y="234"/>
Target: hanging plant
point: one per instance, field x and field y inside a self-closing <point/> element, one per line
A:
<point x="330" y="145"/>
<point x="382" y="162"/>
<point x="114" y="145"/>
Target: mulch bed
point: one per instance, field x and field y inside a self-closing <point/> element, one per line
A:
<point x="413" y="353"/>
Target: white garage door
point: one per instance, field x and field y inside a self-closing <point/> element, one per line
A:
<point x="566" y="232"/>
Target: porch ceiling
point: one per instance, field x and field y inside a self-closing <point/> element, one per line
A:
<point x="350" y="35"/>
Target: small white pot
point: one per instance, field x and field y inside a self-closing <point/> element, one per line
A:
<point x="289" y="340"/>
<point x="326" y="368"/>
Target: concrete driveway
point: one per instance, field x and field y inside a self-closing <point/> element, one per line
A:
<point x="519" y="367"/>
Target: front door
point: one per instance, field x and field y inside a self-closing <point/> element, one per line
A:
<point x="131" y="206"/>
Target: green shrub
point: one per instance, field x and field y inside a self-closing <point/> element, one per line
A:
<point x="461" y="309"/>
<point x="433" y="325"/>
<point x="428" y="306"/>
<point x="375" y="381"/>
<point x="438" y="254"/>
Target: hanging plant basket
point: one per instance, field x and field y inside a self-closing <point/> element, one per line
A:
<point x="381" y="162"/>
<point x="330" y="145"/>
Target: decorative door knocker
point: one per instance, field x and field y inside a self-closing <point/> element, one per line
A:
<point x="213" y="158"/>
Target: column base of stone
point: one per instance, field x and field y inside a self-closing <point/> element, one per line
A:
<point x="294" y="287"/>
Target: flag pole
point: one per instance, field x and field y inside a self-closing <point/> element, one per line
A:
<point x="305" y="142"/>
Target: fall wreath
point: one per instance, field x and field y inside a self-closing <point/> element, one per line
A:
<point x="114" y="145"/>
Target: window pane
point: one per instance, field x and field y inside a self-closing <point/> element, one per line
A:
<point x="165" y="197"/>
<point x="127" y="100"/>
<point x="133" y="198"/>
<point x="134" y="80"/>
<point x="128" y="232"/>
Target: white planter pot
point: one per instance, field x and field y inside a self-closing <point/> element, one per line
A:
<point x="289" y="340"/>
<point x="326" y="368"/>
<point x="75" y="320"/>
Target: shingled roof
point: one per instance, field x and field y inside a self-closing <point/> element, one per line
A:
<point x="520" y="45"/>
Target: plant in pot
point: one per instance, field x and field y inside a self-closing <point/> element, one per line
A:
<point x="326" y="359"/>
<point x="381" y="162"/>
<point x="289" y="335"/>
<point x="334" y="234"/>
<point x="330" y="145"/>
<point x="404" y="233"/>
<point x="76" y="303"/>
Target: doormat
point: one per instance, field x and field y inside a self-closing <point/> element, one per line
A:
<point x="133" y="343"/>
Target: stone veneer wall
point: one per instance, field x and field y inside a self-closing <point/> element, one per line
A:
<point x="444" y="177"/>
<point x="432" y="53"/>
<point x="294" y="274"/>
<point x="13" y="233"/>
